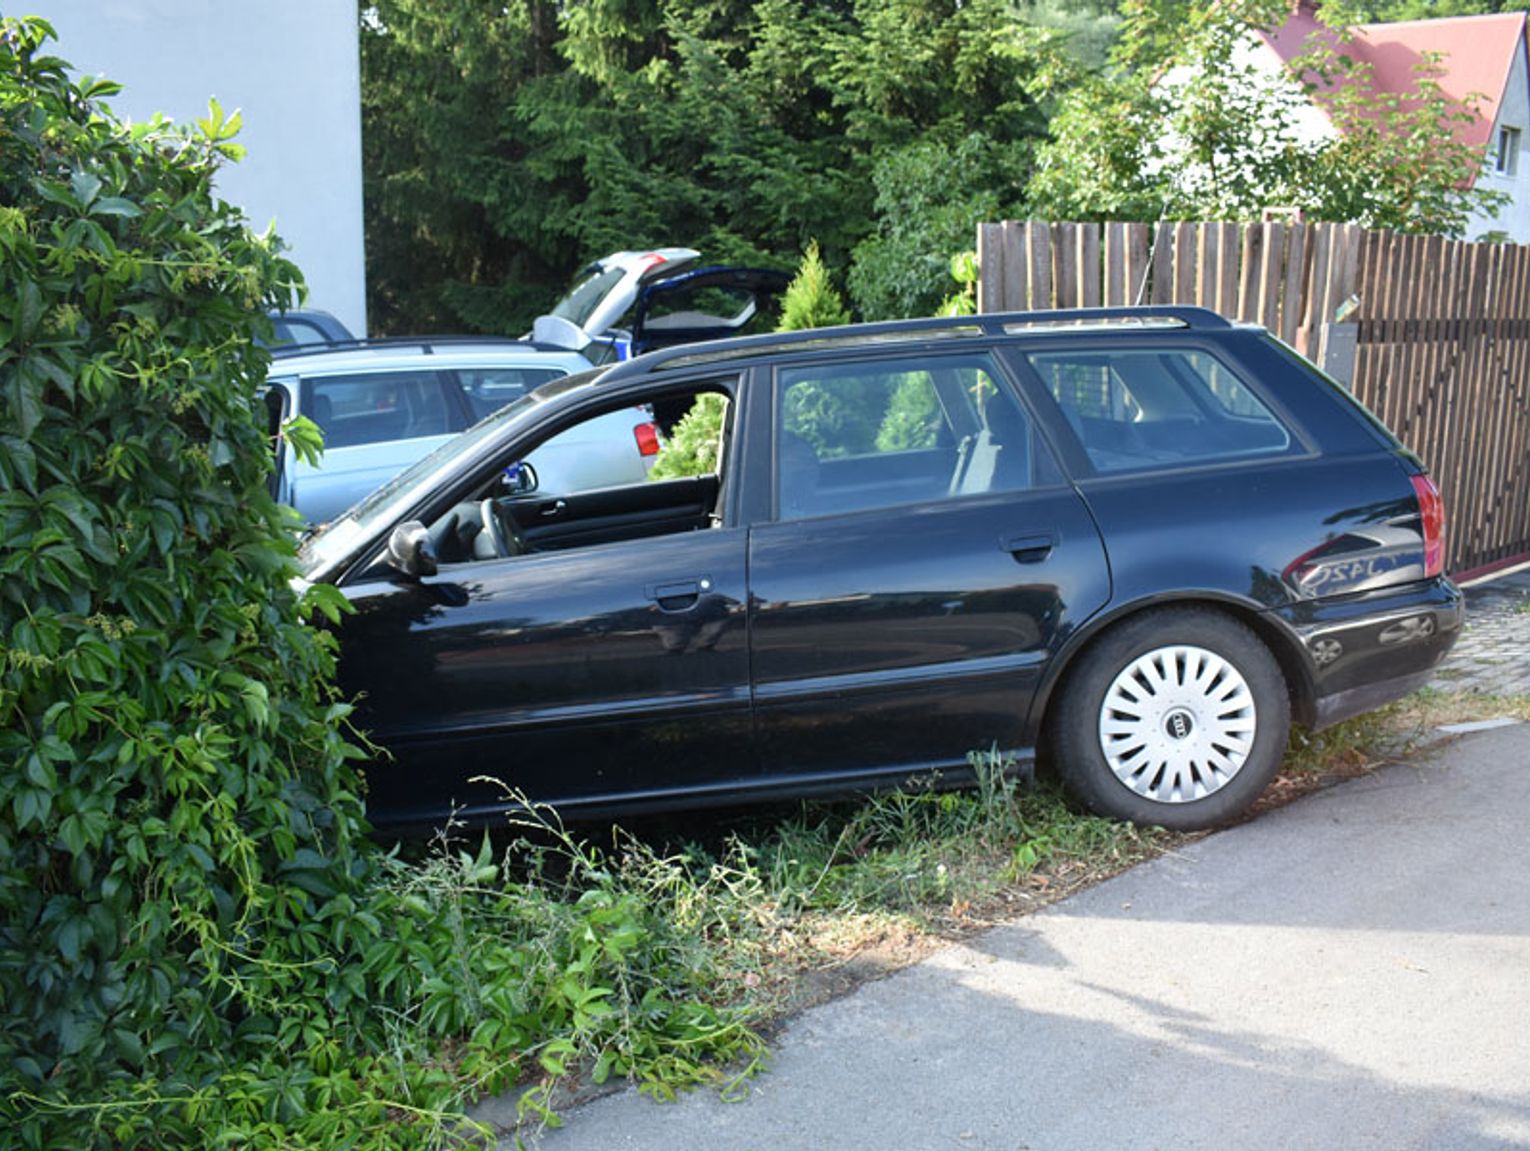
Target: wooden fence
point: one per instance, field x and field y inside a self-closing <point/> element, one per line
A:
<point x="1433" y="335"/>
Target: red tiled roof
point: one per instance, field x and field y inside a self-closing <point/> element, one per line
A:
<point x="1478" y="53"/>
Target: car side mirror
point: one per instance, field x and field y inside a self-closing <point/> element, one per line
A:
<point x="410" y="550"/>
<point x="520" y="479"/>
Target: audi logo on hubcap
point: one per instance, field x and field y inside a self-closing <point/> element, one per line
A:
<point x="1178" y="724"/>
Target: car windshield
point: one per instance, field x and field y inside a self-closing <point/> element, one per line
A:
<point x="334" y="541"/>
<point x="582" y="300"/>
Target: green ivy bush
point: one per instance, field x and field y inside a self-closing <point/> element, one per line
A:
<point x="199" y="947"/>
<point x="178" y="821"/>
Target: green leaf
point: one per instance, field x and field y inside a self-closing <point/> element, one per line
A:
<point x="30" y="316"/>
<point x="115" y="206"/>
<point x="25" y="397"/>
<point x="32" y="806"/>
<point x="98" y="88"/>
<point x="69" y="938"/>
<point x="305" y="437"/>
<point x="52" y="370"/>
<point x="56" y="193"/>
<point x="129" y="1047"/>
<point x="329" y="600"/>
<point x="18" y="464"/>
<point x="71" y="833"/>
<point x="40" y="772"/>
<point x="85" y="186"/>
<point x="257" y="702"/>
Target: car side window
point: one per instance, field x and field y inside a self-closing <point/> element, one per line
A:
<point x="644" y="469"/>
<point x="1135" y="409"/>
<point x="855" y="437"/>
<point x="489" y="389"/>
<point x="375" y="407"/>
<point x="290" y="331"/>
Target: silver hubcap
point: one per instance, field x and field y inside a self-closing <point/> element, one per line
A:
<point x="1177" y="724"/>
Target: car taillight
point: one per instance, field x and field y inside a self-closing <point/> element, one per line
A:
<point x="1431" y="514"/>
<point x="647" y="439"/>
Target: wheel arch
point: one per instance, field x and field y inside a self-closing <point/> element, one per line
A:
<point x="1279" y="639"/>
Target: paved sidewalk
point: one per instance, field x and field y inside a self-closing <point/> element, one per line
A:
<point x="1345" y="972"/>
<point x="1493" y="653"/>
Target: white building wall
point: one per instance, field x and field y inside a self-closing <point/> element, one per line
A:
<point x="1309" y="123"/>
<point x="292" y="68"/>
<point x="1513" y="112"/>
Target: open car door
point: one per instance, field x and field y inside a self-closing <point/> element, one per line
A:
<point x="272" y="410"/>
<point x="601" y="297"/>
<point x="707" y="304"/>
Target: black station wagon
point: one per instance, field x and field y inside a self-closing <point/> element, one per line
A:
<point x="1138" y="541"/>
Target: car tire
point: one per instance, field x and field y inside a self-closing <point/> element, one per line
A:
<point x="1176" y="718"/>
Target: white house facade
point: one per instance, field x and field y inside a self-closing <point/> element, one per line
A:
<point x="291" y="68"/>
<point x="1508" y="167"/>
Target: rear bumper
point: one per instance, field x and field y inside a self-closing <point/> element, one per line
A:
<point x="1341" y="705"/>
<point x="1361" y="652"/>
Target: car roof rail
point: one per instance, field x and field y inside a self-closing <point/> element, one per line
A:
<point x="427" y="345"/>
<point x="988" y="324"/>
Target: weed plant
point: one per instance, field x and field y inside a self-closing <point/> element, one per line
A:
<point x="924" y="849"/>
<point x="626" y="959"/>
<point x="1360" y="743"/>
<point x="619" y="962"/>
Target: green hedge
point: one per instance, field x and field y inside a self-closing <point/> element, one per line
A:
<point x="178" y="821"/>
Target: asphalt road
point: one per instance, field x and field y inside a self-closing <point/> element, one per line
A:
<point x="1352" y="971"/>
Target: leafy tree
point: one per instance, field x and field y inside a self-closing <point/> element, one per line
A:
<point x="811" y="300"/>
<point x="691" y="449"/>
<point x="913" y="418"/>
<point x="1412" y="137"/>
<point x="930" y="200"/>
<point x="1086" y="28"/>
<point x="964" y="273"/>
<point x="507" y="145"/>
<point x="1184" y="125"/>
<point x="1347" y="13"/>
<point x="838" y="420"/>
<point x="447" y="182"/>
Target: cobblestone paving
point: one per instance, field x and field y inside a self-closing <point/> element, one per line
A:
<point x="1493" y="653"/>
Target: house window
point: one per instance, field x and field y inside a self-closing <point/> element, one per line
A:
<point x="1506" y="163"/>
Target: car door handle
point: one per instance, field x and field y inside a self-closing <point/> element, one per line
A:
<point x="557" y="508"/>
<point x="1029" y="549"/>
<point x="678" y="594"/>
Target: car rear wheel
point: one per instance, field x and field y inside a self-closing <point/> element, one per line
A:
<point x="1177" y="718"/>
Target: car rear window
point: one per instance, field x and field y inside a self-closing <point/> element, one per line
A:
<point x="1144" y="408"/>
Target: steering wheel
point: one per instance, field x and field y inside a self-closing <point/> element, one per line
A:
<point x="500" y="529"/>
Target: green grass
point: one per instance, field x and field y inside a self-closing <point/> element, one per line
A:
<point x="923" y="850"/>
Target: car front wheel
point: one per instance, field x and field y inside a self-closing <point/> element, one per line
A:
<point x="1177" y="718"/>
